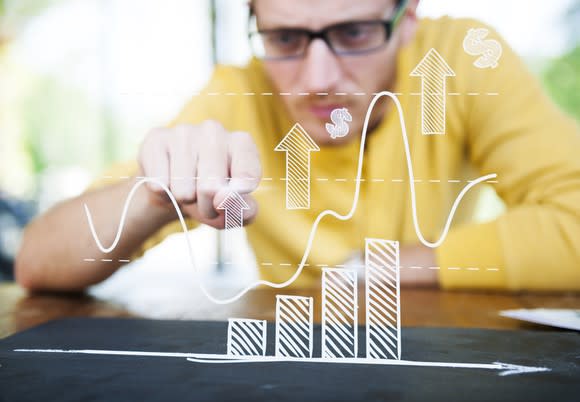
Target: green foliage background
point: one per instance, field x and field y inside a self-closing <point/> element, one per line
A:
<point x="561" y="78"/>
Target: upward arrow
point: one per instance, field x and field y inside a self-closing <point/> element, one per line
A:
<point x="234" y="205"/>
<point x="433" y="71"/>
<point x="297" y="144"/>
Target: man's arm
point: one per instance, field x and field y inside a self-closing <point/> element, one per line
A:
<point x="55" y="244"/>
<point x="200" y="165"/>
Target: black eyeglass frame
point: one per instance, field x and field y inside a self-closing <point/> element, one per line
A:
<point x="390" y="25"/>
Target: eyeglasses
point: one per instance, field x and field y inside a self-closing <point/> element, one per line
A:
<point x="344" y="39"/>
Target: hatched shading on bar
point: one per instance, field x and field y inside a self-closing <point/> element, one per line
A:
<point x="383" y="321"/>
<point x="293" y="326"/>
<point x="339" y="313"/>
<point x="246" y="337"/>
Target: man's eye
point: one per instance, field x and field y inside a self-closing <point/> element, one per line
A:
<point x="284" y="38"/>
<point x="353" y="35"/>
<point x="353" y="32"/>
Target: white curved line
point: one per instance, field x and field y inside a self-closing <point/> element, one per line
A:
<point x="318" y="218"/>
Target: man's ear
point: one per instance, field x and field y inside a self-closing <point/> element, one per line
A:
<point x="408" y="25"/>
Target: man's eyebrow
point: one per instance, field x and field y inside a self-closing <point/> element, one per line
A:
<point x="283" y="23"/>
<point x="300" y="25"/>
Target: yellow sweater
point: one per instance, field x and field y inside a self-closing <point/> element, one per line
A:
<point x="510" y="128"/>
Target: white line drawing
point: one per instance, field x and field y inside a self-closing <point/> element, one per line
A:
<point x="246" y="337"/>
<point x="489" y="50"/>
<point x="322" y="215"/>
<point x="383" y="305"/>
<point x="339" y="117"/>
<point x="234" y="205"/>
<point x="503" y="368"/>
<point x="321" y="179"/>
<point x="339" y="313"/>
<point x="190" y="94"/>
<point x="433" y="70"/>
<point x="298" y="145"/>
<point x="294" y="326"/>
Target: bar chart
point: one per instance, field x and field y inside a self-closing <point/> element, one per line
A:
<point x="294" y="332"/>
<point x="339" y="311"/>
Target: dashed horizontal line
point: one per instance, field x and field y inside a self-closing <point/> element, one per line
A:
<point x="105" y="260"/>
<point x="353" y="266"/>
<point x="287" y="264"/>
<point x="319" y="179"/>
<point x="169" y="93"/>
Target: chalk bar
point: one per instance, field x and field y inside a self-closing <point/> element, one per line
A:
<point x="73" y="377"/>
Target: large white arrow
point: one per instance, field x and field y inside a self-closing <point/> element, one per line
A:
<point x="503" y="368"/>
<point x="297" y="144"/>
<point x="433" y="71"/>
<point x="234" y="205"/>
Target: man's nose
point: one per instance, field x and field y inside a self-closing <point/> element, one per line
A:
<point x="321" y="70"/>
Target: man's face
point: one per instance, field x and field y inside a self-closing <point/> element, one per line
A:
<point x="350" y="81"/>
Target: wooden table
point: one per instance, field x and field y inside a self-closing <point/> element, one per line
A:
<point x="420" y="307"/>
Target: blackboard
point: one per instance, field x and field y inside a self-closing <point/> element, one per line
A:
<point x="74" y="377"/>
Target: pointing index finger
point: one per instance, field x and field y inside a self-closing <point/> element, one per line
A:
<point x="245" y="166"/>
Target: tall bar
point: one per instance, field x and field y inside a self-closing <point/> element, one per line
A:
<point x="339" y="313"/>
<point x="383" y="318"/>
<point x="246" y="337"/>
<point x="293" y="326"/>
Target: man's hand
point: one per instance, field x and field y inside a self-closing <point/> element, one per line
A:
<point x="201" y="165"/>
<point x="417" y="267"/>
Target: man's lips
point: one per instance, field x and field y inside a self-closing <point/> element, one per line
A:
<point x="323" y="111"/>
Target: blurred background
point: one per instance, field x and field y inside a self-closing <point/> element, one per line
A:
<point x="81" y="81"/>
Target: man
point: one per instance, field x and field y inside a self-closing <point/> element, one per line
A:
<point x="318" y="56"/>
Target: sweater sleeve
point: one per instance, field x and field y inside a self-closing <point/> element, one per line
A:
<point x="535" y="151"/>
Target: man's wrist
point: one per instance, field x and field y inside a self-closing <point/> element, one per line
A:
<point x="146" y="209"/>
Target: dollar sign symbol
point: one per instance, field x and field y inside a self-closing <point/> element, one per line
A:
<point x="339" y="117"/>
<point x="489" y="50"/>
